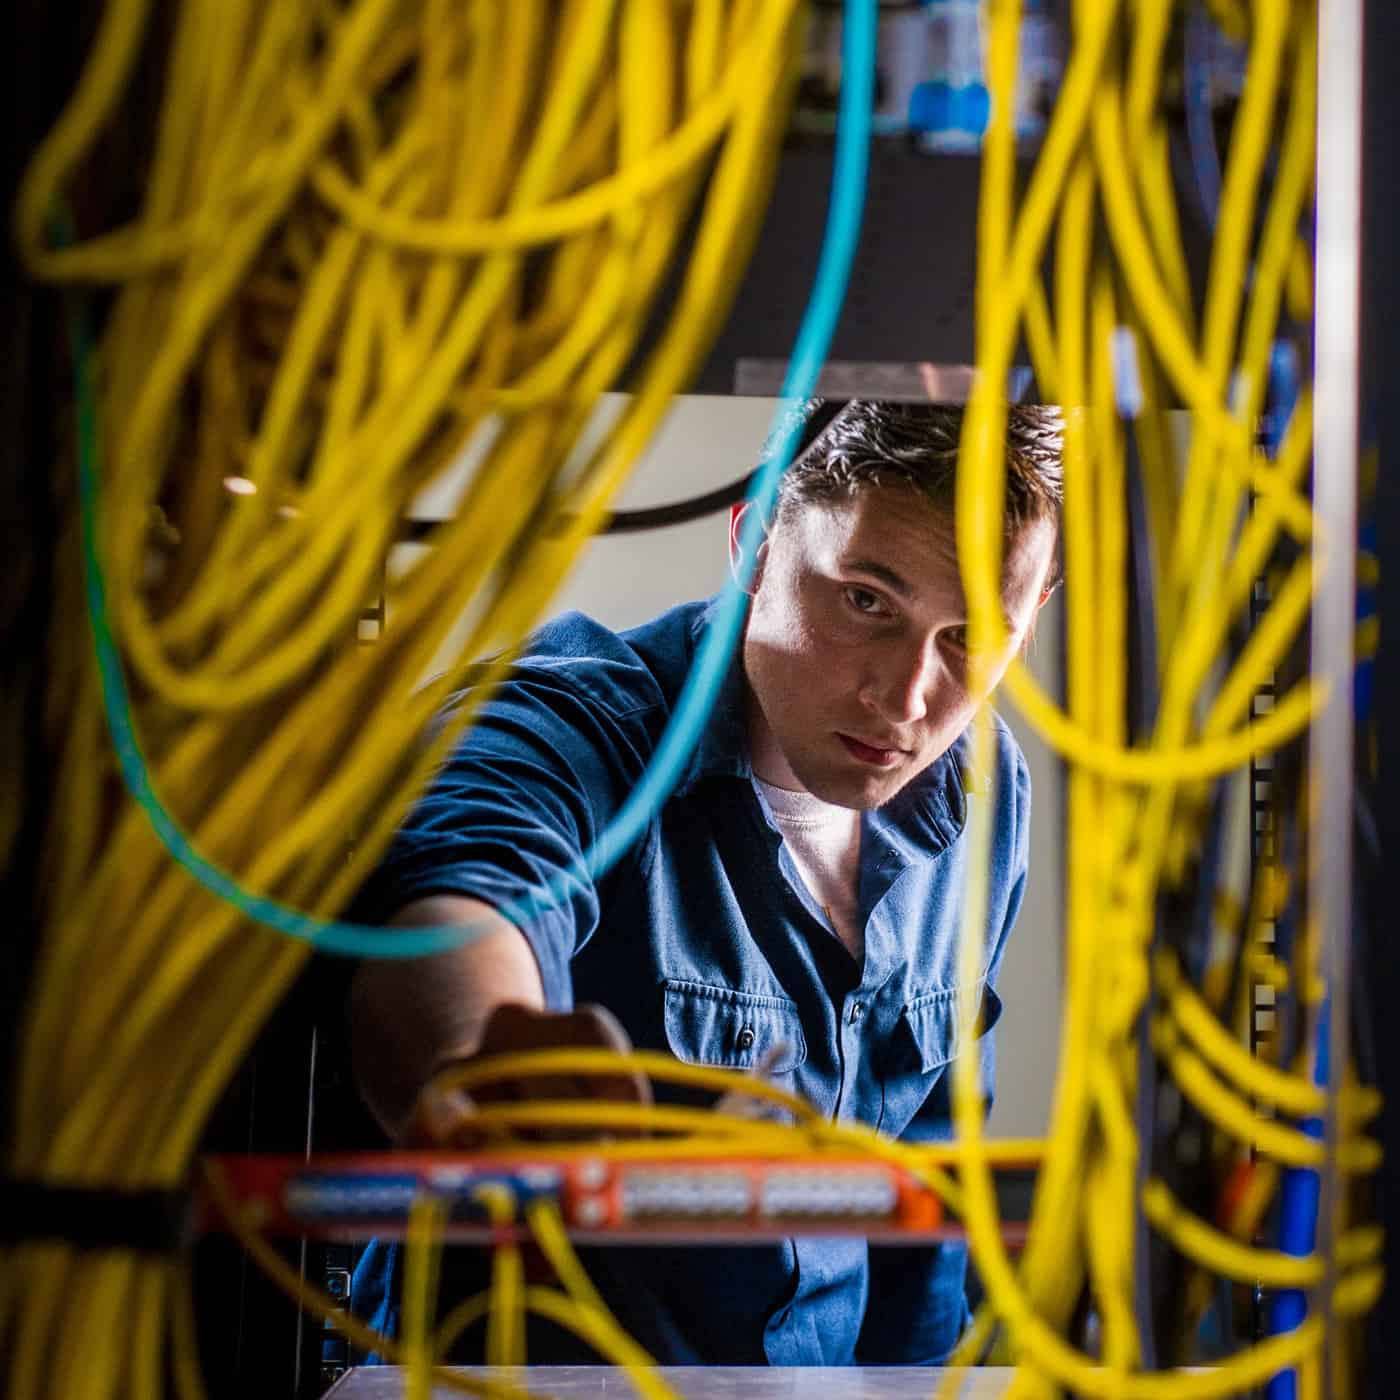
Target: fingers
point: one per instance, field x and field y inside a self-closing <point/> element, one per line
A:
<point x="442" y="1117"/>
<point x="631" y="1087"/>
<point x="600" y="1027"/>
<point x="741" y="1105"/>
<point x="512" y="1029"/>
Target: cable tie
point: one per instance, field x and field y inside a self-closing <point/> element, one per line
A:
<point x="147" y="1219"/>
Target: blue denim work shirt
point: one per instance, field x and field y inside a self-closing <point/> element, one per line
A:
<point x="705" y="943"/>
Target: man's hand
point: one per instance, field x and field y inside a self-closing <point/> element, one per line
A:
<point x="445" y="1116"/>
<point x="411" y="1018"/>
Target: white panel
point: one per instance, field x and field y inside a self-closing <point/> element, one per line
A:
<point x="705" y="442"/>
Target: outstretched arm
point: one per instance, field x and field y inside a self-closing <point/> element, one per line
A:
<point x="408" y="1016"/>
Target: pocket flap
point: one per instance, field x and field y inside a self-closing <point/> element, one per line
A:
<point x="932" y="1024"/>
<point x="708" y="1025"/>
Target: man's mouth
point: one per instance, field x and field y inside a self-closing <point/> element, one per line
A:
<point x="875" y="755"/>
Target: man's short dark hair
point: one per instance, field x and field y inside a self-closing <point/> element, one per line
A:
<point x="876" y="443"/>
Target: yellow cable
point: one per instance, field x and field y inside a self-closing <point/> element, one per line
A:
<point x="1226" y="1256"/>
<point x="323" y="293"/>
<point x="422" y="1241"/>
<point x="254" y="337"/>
<point x="321" y="1305"/>
<point x="505" y="1327"/>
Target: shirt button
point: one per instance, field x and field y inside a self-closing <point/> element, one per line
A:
<point x="857" y="1011"/>
<point x="745" y="1039"/>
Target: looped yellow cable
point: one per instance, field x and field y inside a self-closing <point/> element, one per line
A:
<point x="1227" y="1256"/>
<point x="318" y="1302"/>
<point x="1168" y="767"/>
<point x="261" y="352"/>
<point x="1234" y="1115"/>
<point x="576" y="213"/>
<point x="599" y="1062"/>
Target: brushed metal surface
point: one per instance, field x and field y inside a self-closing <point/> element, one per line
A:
<point x="700" y="1382"/>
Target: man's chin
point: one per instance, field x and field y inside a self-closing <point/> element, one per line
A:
<point x="863" y="792"/>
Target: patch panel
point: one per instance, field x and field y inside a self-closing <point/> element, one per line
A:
<point x="602" y="1197"/>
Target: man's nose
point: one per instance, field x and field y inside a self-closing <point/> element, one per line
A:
<point x="900" y="691"/>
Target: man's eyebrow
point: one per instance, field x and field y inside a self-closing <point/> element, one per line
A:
<point x="895" y="582"/>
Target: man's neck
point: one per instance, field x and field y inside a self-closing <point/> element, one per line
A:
<point x="765" y="755"/>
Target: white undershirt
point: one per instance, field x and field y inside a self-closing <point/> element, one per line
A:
<point x="824" y="842"/>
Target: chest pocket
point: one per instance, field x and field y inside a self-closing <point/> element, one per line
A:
<point x="930" y="1033"/>
<point x="927" y="1036"/>
<point x="708" y="1025"/>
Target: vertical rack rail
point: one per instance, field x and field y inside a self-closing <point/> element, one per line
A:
<point x="1264" y="858"/>
<point x="1335" y="448"/>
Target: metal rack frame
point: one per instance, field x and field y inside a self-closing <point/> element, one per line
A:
<point x="1336" y="440"/>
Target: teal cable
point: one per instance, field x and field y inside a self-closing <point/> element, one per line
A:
<point x="711" y="664"/>
<point x="839" y="244"/>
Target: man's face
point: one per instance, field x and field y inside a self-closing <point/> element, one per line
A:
<point x="855" y="649"/>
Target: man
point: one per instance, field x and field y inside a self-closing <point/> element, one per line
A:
<point x="794" y="905"/>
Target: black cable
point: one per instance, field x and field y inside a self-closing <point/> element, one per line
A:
<point x="1181" y="1135"/>
<point x="818" y="415"/>
<point x="1142" y="703"/>
<point x="626" y="522"/>
<point x="1142" y="603"/>
<point x="1369" y="930"/>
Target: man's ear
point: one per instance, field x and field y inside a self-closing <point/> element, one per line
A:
<point x="1046" y="594"/>
<point x="738" y="517"/>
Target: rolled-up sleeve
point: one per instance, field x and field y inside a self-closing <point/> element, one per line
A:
<point x="508" y="818"/>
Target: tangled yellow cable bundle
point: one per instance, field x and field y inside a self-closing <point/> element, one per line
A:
<point x="1135" y="812"/>
<point x="369" y="230"/>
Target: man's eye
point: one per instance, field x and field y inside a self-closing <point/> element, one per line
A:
<point x="864" y="601"/>
<point x="956" y="637"/>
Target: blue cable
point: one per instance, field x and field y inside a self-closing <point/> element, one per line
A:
<point x="1200" y="121"/>
<point x="813" y="340"/>
<point x="716" y="652"/>
<point x="1300" y="1187"/>
<point x="1298" y="1203"/>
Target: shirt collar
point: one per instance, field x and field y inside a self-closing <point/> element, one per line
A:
<point x="723" y="748"/>
<point x="928" y="815"/>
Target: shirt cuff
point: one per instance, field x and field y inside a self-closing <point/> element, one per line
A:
<point x="549" y="932"/>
